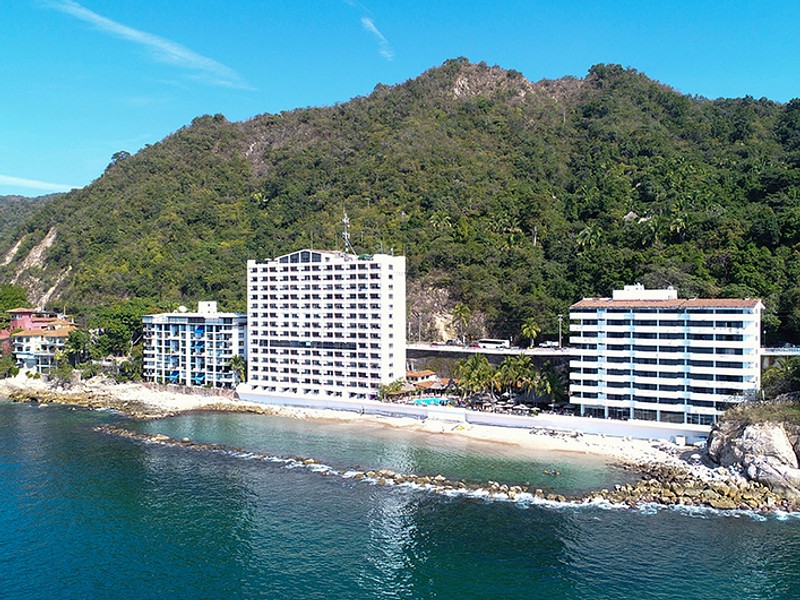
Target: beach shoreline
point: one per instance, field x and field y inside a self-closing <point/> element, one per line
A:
<point x="143" y="401"/>
<point x="670" y="474"/>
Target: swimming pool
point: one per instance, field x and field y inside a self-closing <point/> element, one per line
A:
<point x="432" y="401"/>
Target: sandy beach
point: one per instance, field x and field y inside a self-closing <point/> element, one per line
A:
<point x="144" y="401"/>
<point x="670" y="474"/>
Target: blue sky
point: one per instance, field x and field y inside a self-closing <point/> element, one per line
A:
<point x="83" y="79"/>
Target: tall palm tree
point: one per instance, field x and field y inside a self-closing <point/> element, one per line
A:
<point x="238" y="365"/>
<point x="528" y="376"/>
<point x="518" y="373"/>
<point x="544" y="386"/>
<point x="553" y="384"/>
<point x="531" y="329"/>
<point x="507" y="375"/>
<point x="461" y="315"/>
<point x="475" y="374"/>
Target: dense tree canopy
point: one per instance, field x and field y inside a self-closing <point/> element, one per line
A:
<point x="517" y="198"/>
<point x="11" y="296"/>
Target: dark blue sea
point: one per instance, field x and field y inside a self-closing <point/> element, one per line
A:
<point x="87" y="514"/>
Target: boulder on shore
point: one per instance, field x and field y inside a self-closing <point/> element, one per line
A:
<point x="763" y="452"/>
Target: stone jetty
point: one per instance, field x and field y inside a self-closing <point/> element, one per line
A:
<point x="662" y="485"/>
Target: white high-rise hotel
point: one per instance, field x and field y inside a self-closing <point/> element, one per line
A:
<point x="645" y="354"/>
<point x="325" y="325"/>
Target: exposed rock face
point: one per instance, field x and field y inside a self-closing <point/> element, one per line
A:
<point x="430" y="312"/>
<point x="763" y="452"/>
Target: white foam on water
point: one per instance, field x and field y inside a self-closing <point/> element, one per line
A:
<point x="521" y="499"/>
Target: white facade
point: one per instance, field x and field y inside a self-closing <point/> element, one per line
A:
<point x="645" y="354"/>
<point x="35" y="350"/>
<point x="194" y="348"/>
<point x="325" y="325"/>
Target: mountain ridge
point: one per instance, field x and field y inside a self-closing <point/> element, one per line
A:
<point x="510" y="196"/>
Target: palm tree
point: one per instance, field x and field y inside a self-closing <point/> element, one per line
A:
<point x="395" y="387"/>
<point x="507" y="375"/>
<point x="651" y="231"/>
<point x="238" y="365"/>
<point x="461" y="315"/>
<point x="518" y="373"/>
<point x="559" y="385"/>
<point x="529" y="375"/>
<point x="475" y="374"/>
<point x="679" y="219"/>
<point x="588" y="237"/>
<point x="544" y="386"/>
<point x="530" y="329"/>
<point x="782" y="377"/>
<point x="553" y="384"/>
<point x="440" y="220"/>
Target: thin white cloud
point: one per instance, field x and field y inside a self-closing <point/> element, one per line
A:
<point x="358" y="5"/>
<point x="161" y="49"/>
<point x="34" y="184"/>
<point x="385" y="49"/>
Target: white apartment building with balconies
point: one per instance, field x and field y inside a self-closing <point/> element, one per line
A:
<point x="194" y="349"/>
<point x="646" y="354"/>
<point x="325" y="325"/>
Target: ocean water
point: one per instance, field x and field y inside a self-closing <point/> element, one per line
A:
<point x="85" y="514"/>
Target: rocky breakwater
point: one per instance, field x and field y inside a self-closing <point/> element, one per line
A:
<point x="88" y="399"/>
<point x="763" y="452"/>
<point x="666" y="485"/>
<point x="696" y="486"/>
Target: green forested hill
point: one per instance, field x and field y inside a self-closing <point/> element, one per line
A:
<point x="516" y="198"/>
<point x="14" y="210"/>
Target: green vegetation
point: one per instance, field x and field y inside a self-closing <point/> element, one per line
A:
<point x="780" y="385"/>
<point x="515" y="375"/>
<point x="8" y="367"/>
<point x="530" y="329"/>
<point x="238" y="365"/>
<point x="781" y="378"/>
<point x="119" y="327"/>
<point x="389" y="389"/>
<point x="461" y="315"/>
<point x="768" y="411"/>
<point x="517" y="198"/>
<point x="63" y="372"/>
<point x="14" y="210"/>
<point x="11" y="296"/>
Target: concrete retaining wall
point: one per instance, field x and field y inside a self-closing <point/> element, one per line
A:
<point x="634" y="429"/>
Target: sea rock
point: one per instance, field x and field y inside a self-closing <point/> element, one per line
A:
<point x="722" y="503"/>
<point x="762" y="451"/>
<point x="778" y="477"/>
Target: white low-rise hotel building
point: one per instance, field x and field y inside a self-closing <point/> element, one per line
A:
<point x="36" y="349"/>
<point x="194" y="348"/>
<point x="325" y="325"/>
<point x="646" y="354"/>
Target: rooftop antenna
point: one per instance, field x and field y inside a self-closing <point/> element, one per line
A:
<point x="346" y="235"/>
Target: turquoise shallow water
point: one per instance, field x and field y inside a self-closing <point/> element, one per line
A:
<point x="87" y="515"/>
